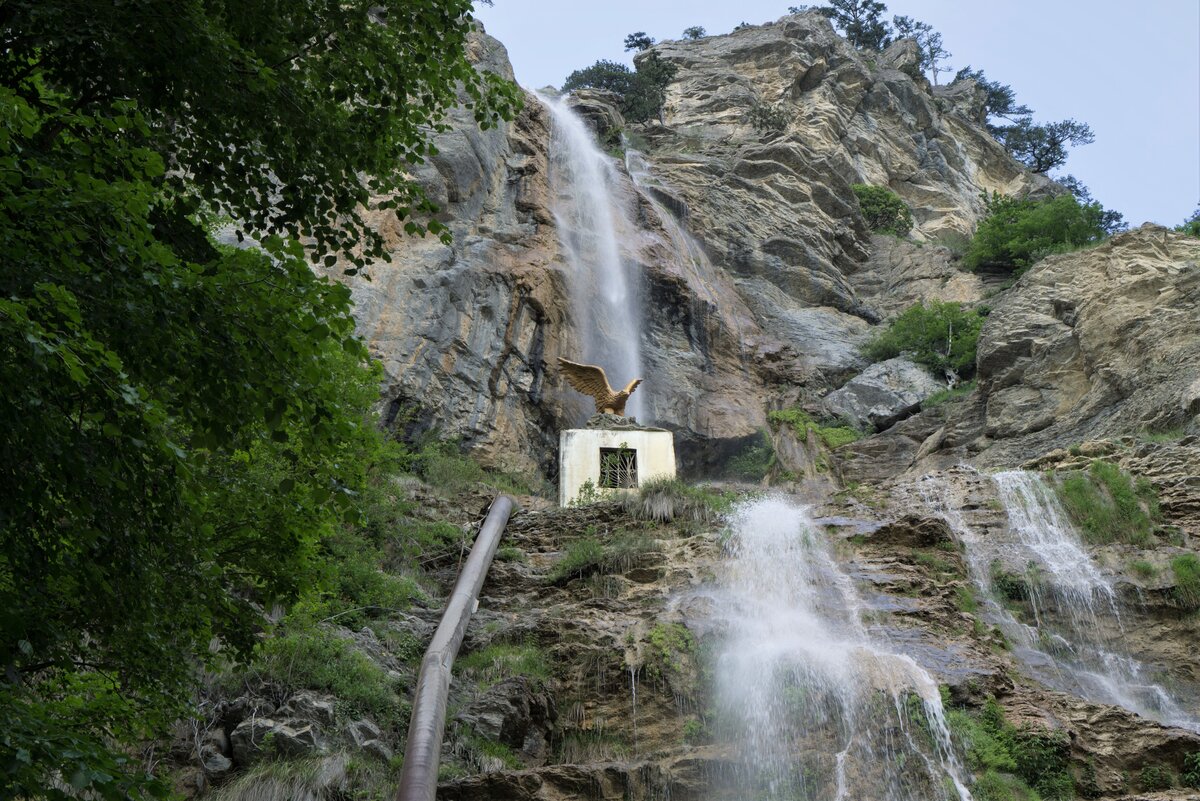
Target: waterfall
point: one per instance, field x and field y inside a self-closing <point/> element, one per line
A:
<point x="818" y="707"/>
<point x="1076" y="640"/>
<point x="594" y="216"/>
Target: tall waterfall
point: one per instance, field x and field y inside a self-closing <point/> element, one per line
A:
<point x="594" y="217"/>
<point x="1075" y="642"/>
<point x="819" y="708"/>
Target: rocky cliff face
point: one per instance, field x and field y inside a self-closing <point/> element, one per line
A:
<point x="759" y="277"/>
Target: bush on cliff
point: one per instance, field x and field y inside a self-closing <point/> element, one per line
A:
<point x="941" y="336"/>
<point x="1016" y="233"/>
<point x="883" y="210"/>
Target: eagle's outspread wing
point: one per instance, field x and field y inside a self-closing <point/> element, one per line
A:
<point x="587" y="378"/>
<point x="632" y="386"/>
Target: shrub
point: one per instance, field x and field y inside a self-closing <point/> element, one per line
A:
<point x="1108" y="505"/>
<point x="694" y="32"/>
<point x="942" y="336"/>
<point x="1191" y="227"/>
<point x="1017" y="233"/>
<point x="883" y="210"/>
<point x="1190" y="777"/>
<point x="1010" y="762"/>
<point x="1187" y="580"/>
<point x="1156" y="777"/>
<point x="833" y="433"/>
<point x="768" y="119"/>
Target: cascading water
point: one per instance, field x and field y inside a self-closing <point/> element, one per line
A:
<point x="819" y="709"/>
<point x="594" y="216"/>
<point x="1075" y="643"/>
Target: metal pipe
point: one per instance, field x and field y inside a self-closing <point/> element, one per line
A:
<point x="419" y="776"/>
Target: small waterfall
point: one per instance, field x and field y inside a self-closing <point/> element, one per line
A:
<point x="818" y="708"/>
<point x="1076" y="641"/>
<point x="594" y="216"/>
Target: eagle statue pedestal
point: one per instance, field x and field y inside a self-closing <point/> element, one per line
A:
<point x="611" y="457"/>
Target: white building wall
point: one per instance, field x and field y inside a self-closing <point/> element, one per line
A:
<point x="579" y="458"/>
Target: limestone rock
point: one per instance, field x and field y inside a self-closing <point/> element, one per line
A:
<point x="883" y="394"/>
<point x="1096" y="343"/>
<point x="286" y="738"/>
<point x="516" y="713"/>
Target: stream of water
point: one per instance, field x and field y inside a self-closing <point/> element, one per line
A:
<point x="819" y="708"/>
<point x="594" y="217"/>
<point x="1076" y="640"/>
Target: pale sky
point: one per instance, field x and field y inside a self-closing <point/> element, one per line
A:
<point x="1130" y="70"/>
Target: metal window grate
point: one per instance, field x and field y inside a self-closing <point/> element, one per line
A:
<point x="618" y="468"/>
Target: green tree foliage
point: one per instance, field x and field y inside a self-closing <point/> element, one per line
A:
<point x="642" y="92"/>
<point x="183" y="422"/>
<point x="942" y="336"/>
<point x="1042" y="147"/>
<point x="861" y="21"/>
<point x="1191" y="226"/>
<point x="1016" y="233"/>
<point x="638" y="41"/>
<point x="883" y="210"/>
<point x="253" y="100"/>
<point x="1112" y="221"/>
<point x="1000" y="99"/>
<point x="769" y="119"/>
<point x="933" y="52"/>
<point x="694" y="32"/>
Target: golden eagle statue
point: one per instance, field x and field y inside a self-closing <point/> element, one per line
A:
<point x="591" y="380"/>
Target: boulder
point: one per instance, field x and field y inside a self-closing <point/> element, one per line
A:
<point x="515" y="712"/>
<point x="253" y="737"/>
<point x="883" y="394"/>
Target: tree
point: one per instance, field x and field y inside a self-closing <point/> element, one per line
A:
<point x="642" y="92"/>
<point x="638" y="41"/>
<point x="942" y="336"/>
<point x="883" y="210"/>
<point x="928" y="40"/>
<point x="860" y="21"/>
<point x="1191" y="227"/>
<point x="1042" y="147"/>
<point x="1000" y="99"/>
<point x="649" y="93"/>
<point x="608" y="75"/>
<point x="694" y="32"/>
<point x="352" y="90"/>
<point x="1111" y="221"/>
<point x="182" y="418"/>
<point x="1016" y="233"/>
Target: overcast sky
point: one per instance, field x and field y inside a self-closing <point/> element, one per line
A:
<point x="1130" y="70"/>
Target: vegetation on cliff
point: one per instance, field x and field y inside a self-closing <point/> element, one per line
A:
<point x="1016" y="233"/>
<point x="186" y="423"/>
<point x="942" y="336"/>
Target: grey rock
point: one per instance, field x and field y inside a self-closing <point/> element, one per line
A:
<point x="306" y="705"/>
<point x="216" y="766"/>
<point x="287" y="738"/>
<point x="883" y="394"/>
<point x="363" y="731"/>
<point x="516" y="713"/>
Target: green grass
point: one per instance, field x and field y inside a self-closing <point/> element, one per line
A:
<point x="444" y="467"/>
<point x="510" y="553"/>
<point x="965" y="600"/>
<point x="619" y="553"/>
<point x="949" y="395"/>
<point x="1108" y="505"/>
<point x="502" y="661"/>
<point x="663" y="500"/>
<point x="934" y="563"/>
<point x="1186" y="568"/>
<point x="1161" y="437"/>
<point x="1143" y="568"/>
<point x="311" y="657"/>
<point x="834" y="435"/>
<point x="669" y="647"/>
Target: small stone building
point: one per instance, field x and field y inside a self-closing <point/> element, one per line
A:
<point x="611" y="456"/>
